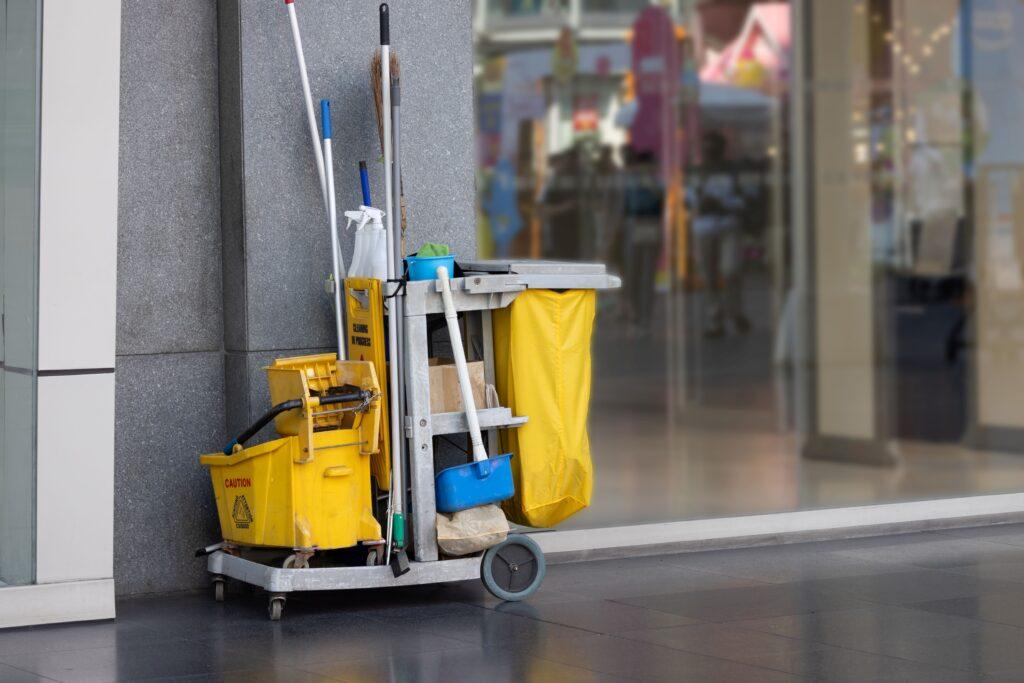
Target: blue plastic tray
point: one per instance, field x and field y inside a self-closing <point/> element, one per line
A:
<point x="425" y="267"/>
<point x="474" y="484"/>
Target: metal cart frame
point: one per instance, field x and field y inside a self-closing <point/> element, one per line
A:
<point x="485" y="287"/>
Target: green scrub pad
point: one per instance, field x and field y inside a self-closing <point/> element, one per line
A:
<point x="433" y="249"/>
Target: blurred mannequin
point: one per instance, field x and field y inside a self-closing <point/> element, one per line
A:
<point x="717" y="205"/>
<point x="643" y="206"/>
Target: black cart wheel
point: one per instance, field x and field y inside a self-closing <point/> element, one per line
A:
<point x="276" y="607"/>
<point x="514" y="569"/>
<point x="219" y="584"/>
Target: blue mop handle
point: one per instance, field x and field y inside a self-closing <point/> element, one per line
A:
<point x="364" y="182"/>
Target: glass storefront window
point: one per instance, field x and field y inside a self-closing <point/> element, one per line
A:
<point x="821" y="260"/>
<point x="526" y="11"/>
<point x="19" y="231"/>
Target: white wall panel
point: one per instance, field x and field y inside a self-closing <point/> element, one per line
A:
<point x="57" y="602"/>
<point x="75" y="478"/>
<point x="78" y="183"/>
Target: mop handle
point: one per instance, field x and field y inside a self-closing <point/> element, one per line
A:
<point x="397" y="492"/>
<point x="332" y="212"/>
<point x="397" y="485"/>
<point x="310" y="115"/>
<point x="468" y="402"/>
<point x="396" y="183"/>
<point x="385" y="86"/>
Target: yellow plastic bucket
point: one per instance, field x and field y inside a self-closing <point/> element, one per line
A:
<point x="310" y="488"/>
<point x="267" y="498"/>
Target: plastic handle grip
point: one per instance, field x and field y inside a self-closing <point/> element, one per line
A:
<point x="325" y="116"/>
<point x="338" y="470"/>
<point x="289" y="2"/>
<point x="364" y="183"/>
<point x="385" y="24"/>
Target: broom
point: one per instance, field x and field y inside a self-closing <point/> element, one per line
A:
<point x="378" y="103"/>
<point x="398" y="560"/>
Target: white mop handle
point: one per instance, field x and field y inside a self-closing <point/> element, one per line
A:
<point x="450" y="316"/>
<point x="310" y="114"/>
<point x="332" y="212"/>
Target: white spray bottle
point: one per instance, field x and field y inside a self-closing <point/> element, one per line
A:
<point x="371" y="257"/>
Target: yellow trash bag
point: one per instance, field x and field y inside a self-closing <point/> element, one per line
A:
<point x="542" y="370"/>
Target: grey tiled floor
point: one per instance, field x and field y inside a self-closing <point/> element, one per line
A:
<point x="938" y="606"/>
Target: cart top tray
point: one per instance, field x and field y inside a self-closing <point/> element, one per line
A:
<point x="525" y="267"/>
<point x="496" y="284"/>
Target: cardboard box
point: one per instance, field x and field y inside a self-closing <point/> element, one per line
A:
<point x="445" y="395"/>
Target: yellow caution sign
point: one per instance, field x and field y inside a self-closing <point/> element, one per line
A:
<point x="364" y="305"/>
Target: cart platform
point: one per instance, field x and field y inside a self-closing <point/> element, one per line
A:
<point x="277" y="580"/>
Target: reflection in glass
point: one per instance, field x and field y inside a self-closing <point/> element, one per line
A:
<point x="820" y="260"/>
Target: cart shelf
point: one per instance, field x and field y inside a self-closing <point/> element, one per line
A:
<point x="455" y="423"/>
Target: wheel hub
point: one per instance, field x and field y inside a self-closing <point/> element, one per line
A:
<point x="513" y="570"/>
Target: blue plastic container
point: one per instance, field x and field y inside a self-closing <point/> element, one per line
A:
<point x="425" y="267"/>
<point x="474" y="484"/>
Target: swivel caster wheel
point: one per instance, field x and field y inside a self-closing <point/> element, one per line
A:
<point x="219" y="588"/>
<point x="514" y="569"/>
<point x="297" y="561"/>
<point x="276" y="607"/>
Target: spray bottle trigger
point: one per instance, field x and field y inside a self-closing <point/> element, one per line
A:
<point x="353" y="216"/>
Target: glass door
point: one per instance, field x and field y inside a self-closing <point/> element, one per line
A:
<point x="19" y="238"/>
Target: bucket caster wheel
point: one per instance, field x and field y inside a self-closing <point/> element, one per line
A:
<point x="297" y="561"/>
<point x="219" y="588"/>
<point x="514" y="569"/>
<point x="276" y="607"/>
<point x="373" y="558"/>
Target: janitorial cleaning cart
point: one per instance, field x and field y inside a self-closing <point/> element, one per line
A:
<point x="512" y="570"/>
<point x="371" y="480"/>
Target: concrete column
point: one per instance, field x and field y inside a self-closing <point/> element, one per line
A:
<point x="997" y="421"/>
<point x="997" y="210"/>
<point x="276" y="254"/>
<point x="845" y="382"/>
<point x="170" y="334"/>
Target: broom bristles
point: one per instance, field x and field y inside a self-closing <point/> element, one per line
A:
<point x="378" y="104"/>
<point x="378" y="94"/>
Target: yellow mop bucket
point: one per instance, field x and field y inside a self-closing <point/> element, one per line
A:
<point x="309" y="489"/>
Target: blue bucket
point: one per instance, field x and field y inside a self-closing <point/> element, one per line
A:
<point x="425" y="267"/>
<point x="475" y="484"/>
